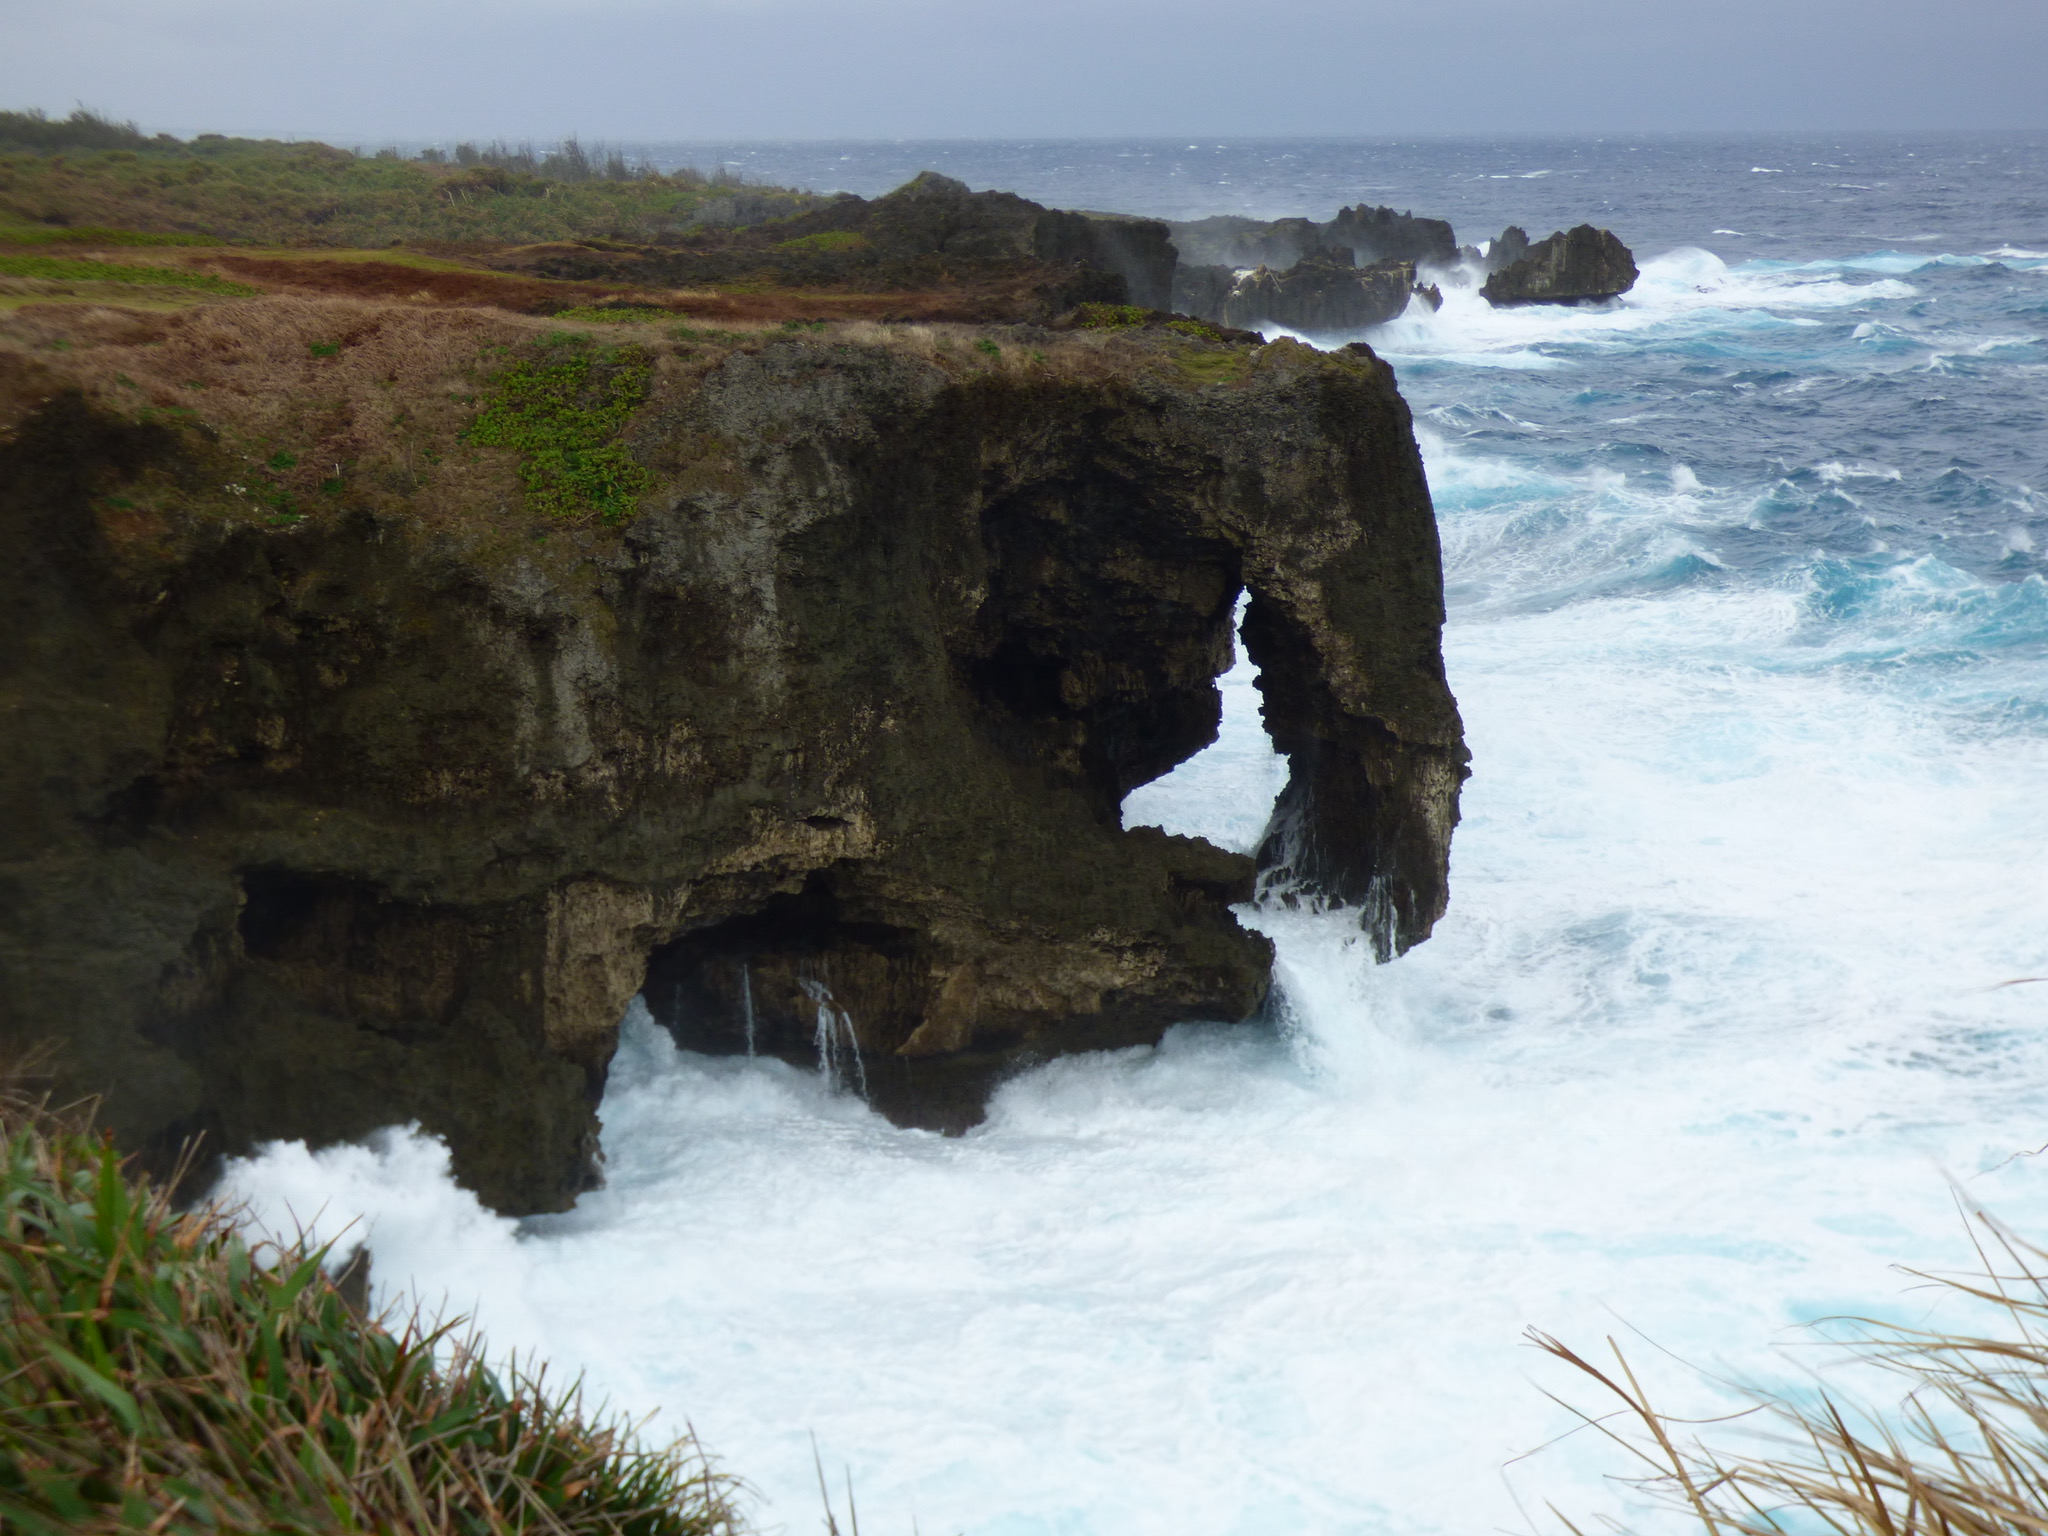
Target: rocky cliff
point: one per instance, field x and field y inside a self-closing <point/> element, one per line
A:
<point x="348" y="786"/>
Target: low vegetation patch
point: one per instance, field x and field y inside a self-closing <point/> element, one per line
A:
<point x="86" y="172"/>
<point x="1110" y="317"/>
<point x="159" y="1375"/>
<point x="614" y="314"/>
<point x="827" y="240"/>
<point x="564" y="411"/>
<point x="92" y="234"/>
<point x="1213" y="367"/>
<point x="82" y="269"/>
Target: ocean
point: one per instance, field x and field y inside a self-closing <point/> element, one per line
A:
<point x="1738" y="1013"/>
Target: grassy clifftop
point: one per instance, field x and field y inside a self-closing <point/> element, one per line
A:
<point x="157" y="1374"/>
<point x="89" y="180"/>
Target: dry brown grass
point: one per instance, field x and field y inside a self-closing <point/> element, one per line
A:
<point x="1963" y="1452"/>
<point x="296" y="406"/>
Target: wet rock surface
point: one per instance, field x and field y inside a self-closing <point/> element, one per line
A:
<point x="321" y="825"/>
<point x="1323" y="292"/>
<point x="1582" y="265"/>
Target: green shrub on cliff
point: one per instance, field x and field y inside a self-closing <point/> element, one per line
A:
<point x="1110" y="317"/>
<point x="613" y="314"/>
<point x="563" y="412"/>
<point x="86" y="172"/>
<point x="157" y="1376"/>
<point x="83" y="129"/>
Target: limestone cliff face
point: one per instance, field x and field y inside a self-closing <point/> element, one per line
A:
<point x="377" y="816"/>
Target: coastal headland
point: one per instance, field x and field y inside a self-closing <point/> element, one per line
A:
<point x="416" y="652"/>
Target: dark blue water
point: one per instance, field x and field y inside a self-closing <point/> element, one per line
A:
<point x="1773" y="194"/>
<point x="1749" y="625"/>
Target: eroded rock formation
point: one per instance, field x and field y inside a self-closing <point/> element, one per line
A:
<point x="1582" y="265"/>
<point x="1322" y="292"/>
<point x="320" y="821"/>
<point x="1370" y="234"/>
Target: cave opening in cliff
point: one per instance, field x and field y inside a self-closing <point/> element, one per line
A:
<point x="279" y="905"/>
<point x="798" y="979"/>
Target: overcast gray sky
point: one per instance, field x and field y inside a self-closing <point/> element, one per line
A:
<point x="673" y="69"/>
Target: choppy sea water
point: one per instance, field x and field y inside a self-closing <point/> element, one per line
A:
<point x="1750" y="629"/>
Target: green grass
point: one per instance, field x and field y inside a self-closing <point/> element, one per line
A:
<point x="616" y="314"/>
<point x="1213" y="367"/>
<point x="92" y="235"/>
<point x="65" y="177"/>
<point x="1110" y="317"/>
<point x="563" y="411"/>
<point x="79" y="269"/>
<point x="158" y="1375"/>
<point x="827" y="240"/>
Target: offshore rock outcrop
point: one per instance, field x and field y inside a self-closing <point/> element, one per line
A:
<point x="320" y="821"/>
<point x="1356" y="270"/>
<point x="1582" y="265"/>
<point x="1370" y="234"/>
<point x="1324" y="292"/>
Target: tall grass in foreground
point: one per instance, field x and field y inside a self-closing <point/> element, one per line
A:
<point x="1963" y="1452"/>
<point x="159" y="1375"/>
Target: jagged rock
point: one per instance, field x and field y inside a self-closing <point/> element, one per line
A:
<point x="1321" y="295"/>
<point x="1380" y="234"/>
<point x="1510" y="248"/>
<point x="1431" y="295"/>
<point x="1579" y="266"/>
<point x="1372" y="234"/>
<point x="936" y="215"/>
<point x="383" y="811"/>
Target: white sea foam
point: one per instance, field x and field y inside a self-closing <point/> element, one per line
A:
<point x="1687" y="291"/>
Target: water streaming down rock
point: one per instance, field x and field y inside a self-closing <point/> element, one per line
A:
<point x="837" y="1042"/>
<point x="747" y="1008"/>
